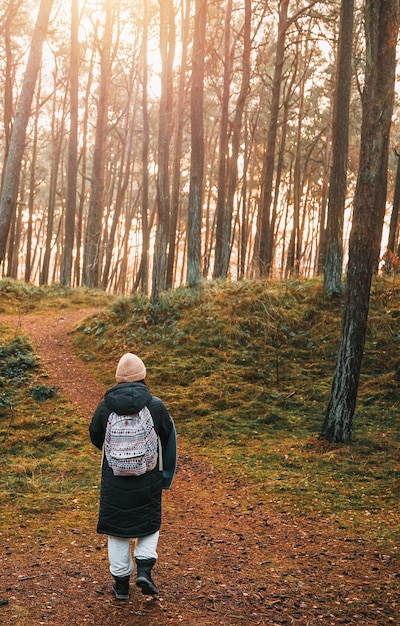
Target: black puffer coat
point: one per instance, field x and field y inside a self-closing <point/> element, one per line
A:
<point x="130" y="506"/>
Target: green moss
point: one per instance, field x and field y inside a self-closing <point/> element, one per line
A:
<point x="245" y="370"/>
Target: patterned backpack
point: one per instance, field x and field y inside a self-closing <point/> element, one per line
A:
<point x="131" y="443"/>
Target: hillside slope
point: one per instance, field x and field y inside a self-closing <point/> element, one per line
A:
<point x="232" y="551"/>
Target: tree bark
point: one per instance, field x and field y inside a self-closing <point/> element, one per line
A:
<point x="340" y="148"/>
<point x="381" y="24"/>
<point x="83" y="165"/>
<point x="8" y="81"/>
<point x="72" y="172"/>
<point x="221" y="215"/>
<point x="167" y="50"/>
<point x="294" y="248"/>
<point x="176" y="168"/>
<point x="32" y="190"/>
<point x="394" y="220"/>
<point x="122" y="186"/>
<point x="236" y="138"/>
<point x="92" y="253"/>
<point x="267" y="228"/>
<point x="17" y="142"/>
<point x="197" y="145"/>
<point x="143" y="277"/>
<point x="57" y="137"/>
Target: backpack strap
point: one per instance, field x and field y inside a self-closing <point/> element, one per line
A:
<point x="160" y="455"/>
<point x="160" y="450"/>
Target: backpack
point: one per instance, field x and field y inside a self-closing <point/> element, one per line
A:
<point x="131" y="443"/>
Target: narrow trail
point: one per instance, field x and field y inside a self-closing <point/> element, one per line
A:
<point x="51" y="335"/>
<point x="224" y="558"/>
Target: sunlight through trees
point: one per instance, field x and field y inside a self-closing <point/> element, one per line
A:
<point x="126" y="177"/>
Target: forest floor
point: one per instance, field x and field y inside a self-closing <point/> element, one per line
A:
<point x="224" y="557"/>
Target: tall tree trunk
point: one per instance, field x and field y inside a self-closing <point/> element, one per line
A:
<point x="72" y="172"/>
<point x="32" y="191"/>
<point x="92" y="253"/>
<point x="197" y="144"/>
<point x="394" y="221"/>
<point x="267" y="228"/>
<point x="144" y="263"/>
<point x="382" y="25"/>
<point x="322" y="241"/>
<point x="340" y="148"/>
<point x="12" y="170"/>
<point x="176" y="175"/>
<point x="293" y="258"/>
<point x="244" y="231"/>
<point x="236" y="138"/>
<point x="56" y="142"/>
<point x="209" y="216"/>
<point x="83" y="163"/>
<point x="221" y="216"/>
<point x="14" y="240"/>
<point x="290" y="86"/>
<point x="123" y="177"/>
<point x="8" y="81"/>
<point x="167" y="49"/>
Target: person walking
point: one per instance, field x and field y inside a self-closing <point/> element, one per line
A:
<point x="130" y="505"/>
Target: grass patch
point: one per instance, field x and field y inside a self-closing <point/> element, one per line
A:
<point x="246" y="368"/>
<point x="47" y="464"/>
<point x="17" y="364"/>
<point x="19" y="297"/>
<point x="46" y="459"/>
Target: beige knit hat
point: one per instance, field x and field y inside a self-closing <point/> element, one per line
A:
<point x="130" y="369"/>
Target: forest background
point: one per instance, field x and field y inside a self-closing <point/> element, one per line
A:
<point x="146" y="145"/>
<point x="161" y="127"/>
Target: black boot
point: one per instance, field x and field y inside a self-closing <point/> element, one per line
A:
<point x="144" y="580"/>
<point x="121" y="587"/>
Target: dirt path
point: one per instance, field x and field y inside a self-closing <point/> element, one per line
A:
<point x="51" y="335"/>
<point x="225" y="559"/>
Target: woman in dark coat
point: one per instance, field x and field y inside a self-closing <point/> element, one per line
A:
<point x="130" y="506"/>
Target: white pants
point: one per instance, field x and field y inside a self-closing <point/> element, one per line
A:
<point x="119" y="552"/>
